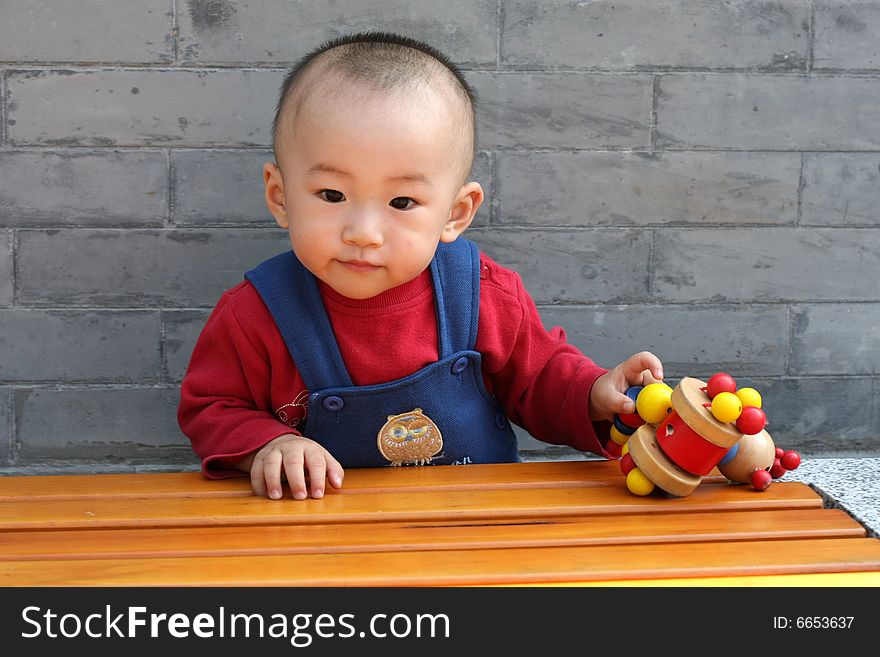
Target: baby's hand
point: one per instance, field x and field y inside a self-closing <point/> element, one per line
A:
<point x="293" y="456"/>
<point x="608" y="394"/>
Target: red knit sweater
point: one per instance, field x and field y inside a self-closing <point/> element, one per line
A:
<point x="242" y="388"/>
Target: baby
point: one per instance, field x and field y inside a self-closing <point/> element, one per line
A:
<point x="383" y="337"/>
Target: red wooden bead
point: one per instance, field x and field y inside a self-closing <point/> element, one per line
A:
<point x="632" y="420"/>
<point x="751" y="420"/>
<point x="627" y="463"/>
<point x="720" y="382"/>
<point x="613" y="448"/>
<point x="790" y="460"/>
<point x="777" y="470"/>
<point x="761" y="479"/>
<point x="780" y="452"/>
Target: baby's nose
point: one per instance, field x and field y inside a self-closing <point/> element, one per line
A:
<point x="364" y="229"/>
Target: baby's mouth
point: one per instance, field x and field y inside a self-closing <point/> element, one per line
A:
<point x="359" y="265"/>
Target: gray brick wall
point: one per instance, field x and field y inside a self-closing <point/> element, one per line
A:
<point x="701" y="179"/>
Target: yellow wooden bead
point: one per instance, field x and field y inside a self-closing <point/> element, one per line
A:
<point x="638" y="483"/>
<point x="749" y="397"/>
<point x="726" y="407"/>
<point x="625" y="450"/>
<point x="654" y="402"/>
<point x="618" y="437"/>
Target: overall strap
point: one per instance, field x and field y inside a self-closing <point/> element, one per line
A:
<point x="291" y="294"/>
<point x="455" y="271"/>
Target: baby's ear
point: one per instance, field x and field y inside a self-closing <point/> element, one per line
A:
<point x="273" y="188"/>
<point x="466" y="204"/>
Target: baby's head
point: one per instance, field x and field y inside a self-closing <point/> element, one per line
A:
<point x="381" y="65"/>
<point x="374" y="136"/>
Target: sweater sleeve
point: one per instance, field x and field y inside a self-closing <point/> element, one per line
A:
<point x="541" y="380"/>
<point x="225" y="398"/>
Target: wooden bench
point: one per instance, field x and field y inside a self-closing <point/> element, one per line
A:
<point x="525" y="523"/>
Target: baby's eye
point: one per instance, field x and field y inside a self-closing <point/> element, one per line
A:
<point x="402" y="203"/>
<point x="331" y="195"/>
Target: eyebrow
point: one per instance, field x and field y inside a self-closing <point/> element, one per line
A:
<point x="407" y="177"/>
<point x="326" y="168"/>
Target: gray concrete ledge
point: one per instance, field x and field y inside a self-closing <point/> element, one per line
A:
<point x="849" y="484"/>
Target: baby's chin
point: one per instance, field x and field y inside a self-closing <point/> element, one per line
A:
<point x="365" y="283"/>
<point x="358" y="290"/>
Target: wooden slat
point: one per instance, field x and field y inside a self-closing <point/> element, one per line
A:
<point x="801" y="580"/>
<point x="549" y="474"/>
<point x="165" y="484"/>
<point x="462" y="535"/>
<point x="462" y="567"/>
<point x="423" y="505"/>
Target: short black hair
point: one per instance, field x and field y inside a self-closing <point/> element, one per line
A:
<point x="395" y="56"/>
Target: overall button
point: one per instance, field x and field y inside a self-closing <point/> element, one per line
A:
<point x="333" y="403"/>
<point x="500" y="419"/>
<point x="460" y="365"/>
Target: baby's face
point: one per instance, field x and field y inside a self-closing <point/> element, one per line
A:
<point x="371" y="184"/>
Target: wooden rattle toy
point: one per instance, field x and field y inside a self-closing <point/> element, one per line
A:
<point x="677" y="436"/>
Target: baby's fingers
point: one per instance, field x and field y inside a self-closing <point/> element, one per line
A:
<point x="294" y="462"/>
<point x="316" y="465"/>
<point x="622" y="404"/>
<point x="258" y="478"/>
<point x="335" y="473"/>
<point x="634" y="368"/>
<point x="270" y="473"/>
<point x="322" y="467"/>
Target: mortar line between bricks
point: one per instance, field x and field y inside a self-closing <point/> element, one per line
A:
<point x="513" y="227"/>
<point x="172" y="189"/>
<point x="730" y="305"/>
<point x="652" y="123"/>
<point x="637" y="150"/>
<point x="175" y="32"/>
<point x="270" y="67"/>
<point x="13" y="246"/>
<point x="256" y="226"/>
<point x="693" y="70"/>
<point x="799" y="213"/>
<point x="10" y="424"/>
<point x="495" y="208"/>
<point x="13" y="428"/>
<point x="875" y="402"/>
<point x="651" y="265"/>
<point x="811" y="38"/>
<point x="268" y="229"/>
<point x="130" y="148"/>
<point x="499" y="24"/>
<point x="160" y="304"/>
<point x="683" y="149"/>
<point x="89" y="385"/>
<point x="789" y="338"/>
<point x="93" y="384"/>
<point x="510" y="227"/>
<point x="3" y="110"/>
<point x="164" y="376"/>
<point x="685" y="305"/>
<point x="172" y="385"/>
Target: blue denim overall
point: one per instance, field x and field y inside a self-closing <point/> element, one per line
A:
<point x="441" y="414"/>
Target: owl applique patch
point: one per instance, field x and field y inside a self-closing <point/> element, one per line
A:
<point x="410" y="438"/>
